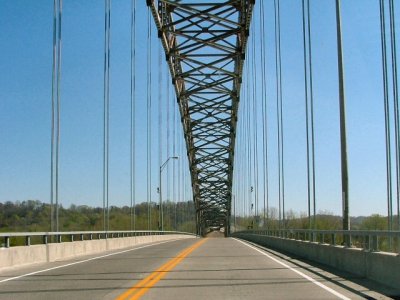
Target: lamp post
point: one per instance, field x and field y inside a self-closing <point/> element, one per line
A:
<point x="161" y="214"/>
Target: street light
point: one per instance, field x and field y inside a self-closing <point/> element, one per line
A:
<point x="161" y="215"/>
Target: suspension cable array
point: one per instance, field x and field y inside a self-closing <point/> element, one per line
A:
<point x="205" y="46"/>
<point x="264" y="114"/>
<point x="396" y="103"/>
<point x="389" y="67"/>
<point x="205" y="49"/>
<point x="309" y="107"/>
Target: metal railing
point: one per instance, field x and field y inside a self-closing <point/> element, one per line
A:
<point x="31" y="238"/>
<point x="369" y="240"/>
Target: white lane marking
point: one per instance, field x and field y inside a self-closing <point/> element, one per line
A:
<point x="82" y="261"/>
<point x="339" y="295"/>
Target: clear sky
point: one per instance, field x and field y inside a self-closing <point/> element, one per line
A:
<point x="25" y="103"/>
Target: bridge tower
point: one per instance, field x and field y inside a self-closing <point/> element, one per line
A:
<point x="205" y="46"/>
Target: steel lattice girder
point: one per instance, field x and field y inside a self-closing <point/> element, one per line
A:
<point x="205" y="44"/>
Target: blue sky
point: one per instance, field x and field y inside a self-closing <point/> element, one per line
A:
<point x="364" y="96"/>
<point x="25" y="104"/>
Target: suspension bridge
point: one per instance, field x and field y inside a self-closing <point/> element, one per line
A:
<point x="218" y="158"/>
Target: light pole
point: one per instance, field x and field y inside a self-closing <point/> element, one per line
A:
<point x="161" y="214"/>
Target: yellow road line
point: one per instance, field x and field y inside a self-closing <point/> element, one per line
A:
<point x="140" y="288"/>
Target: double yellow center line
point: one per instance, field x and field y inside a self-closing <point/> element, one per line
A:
<point x="139" y="289"/>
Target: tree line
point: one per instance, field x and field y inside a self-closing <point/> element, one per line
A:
<point x="34" y="216"/>
<point x="324" y="220"/>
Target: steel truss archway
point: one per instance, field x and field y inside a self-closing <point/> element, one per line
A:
<point x="205" y="44"/>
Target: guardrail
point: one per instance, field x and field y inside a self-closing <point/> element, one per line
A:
<point x="369" y="240"/>
<point x="31" y="238"/>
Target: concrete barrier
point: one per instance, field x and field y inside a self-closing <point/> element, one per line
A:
<point x="381" y="267"/>
<point x="25" y="255"/>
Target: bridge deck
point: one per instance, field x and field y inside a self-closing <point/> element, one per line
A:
<point x="218" y="268"/>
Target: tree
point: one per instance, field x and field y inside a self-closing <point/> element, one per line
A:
<point x="374" y="222"/>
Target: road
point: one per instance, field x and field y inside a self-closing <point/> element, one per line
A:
<point x="211" y="268"/>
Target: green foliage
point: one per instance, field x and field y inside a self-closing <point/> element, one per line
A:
<point x="34" y="216"/>
<point x="374" y="222"/>
<point x="324" y="220"/>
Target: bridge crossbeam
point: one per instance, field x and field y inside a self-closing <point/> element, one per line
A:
<point x="205" y="44"/>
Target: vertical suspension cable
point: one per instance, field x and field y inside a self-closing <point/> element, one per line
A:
<point x="242" y="144"/>
<point x="241" y="157"/>
<point x="235" y="169"/>
<point x="168" y="108"/>
<point x="108" y="108"/>
<point x="243" y="183"/>
<point x="278" y="106"/>
<point x="309" y="105"/>
<point x="245" y="186"/>
<point x="386" y="109"/>
<point x="183" y="184"/>
<point x="310" y="69"/>
<point x="105" y="113"/>
<point x="281" y="115"/>
<point x="247" y="140"/>
<point x="307" y="115"/>
<point x="264" y="114"/>
<point x="173" y="166"/>
<point x="242" y="152"/>
<point x="277" y="110"/>
<point x="106" y="214"/>
<point x="55" y="115"/>
<point x="248" y="143"/>
<point x="251" y="130"/>
<point x="255" y="129"/>
<point x="149" y="224"/>
<point x="133" y="113"/>
<point x="238" y="168"/>
<point x="189" y="195"/>
<point x="180" y="182"/>
<point x="396" y="104"/>
<point x="160" y="79"/>
<point x="239" y="144"/>
<point x="60" y="3"/>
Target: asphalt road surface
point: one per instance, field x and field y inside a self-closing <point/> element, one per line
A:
<point x="211" y="268"/>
